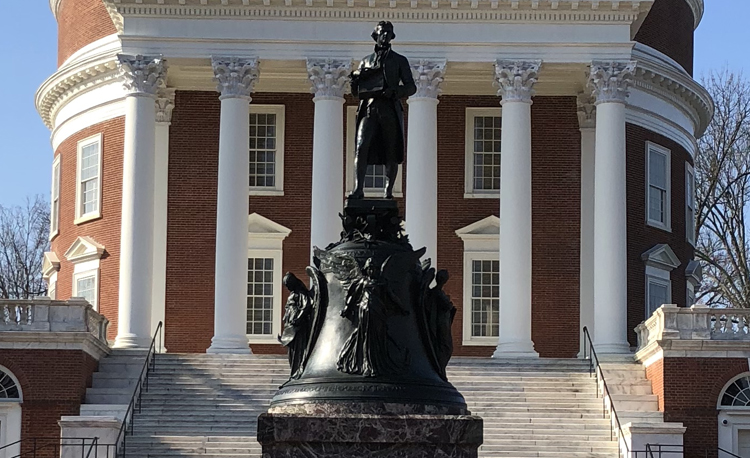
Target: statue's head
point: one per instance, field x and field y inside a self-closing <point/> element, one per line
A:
<point x="383" y="33"/>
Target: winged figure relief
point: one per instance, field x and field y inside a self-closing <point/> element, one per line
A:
<point x="303" y="316"/>
<point x="371" y="299"/>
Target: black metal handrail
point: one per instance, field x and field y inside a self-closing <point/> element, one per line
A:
<point x="658" y="451"/>
<point x="149" y="365"/>
<point x="88" y="445"/>
<point x="35" y="440"/>
<point x="595" y="367"/>
<point x="721" y="450"/>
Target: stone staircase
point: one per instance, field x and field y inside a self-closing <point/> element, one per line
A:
<point x="207" y="406"/>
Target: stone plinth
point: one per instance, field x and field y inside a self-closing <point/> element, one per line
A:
<point x="324" y="431"/>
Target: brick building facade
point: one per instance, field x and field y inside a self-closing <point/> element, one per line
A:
<point x="141" y="201"/>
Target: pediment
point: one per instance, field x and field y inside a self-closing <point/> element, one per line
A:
<point x="488" y="227"/>
<point x="260" y="226"/>
<point x="84" y="249"/>
<point x="662" y="257"/>
<point x="50" y="264"/>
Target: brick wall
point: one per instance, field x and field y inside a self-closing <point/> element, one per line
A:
<point x="556" y="158"/>
<point x="688" y="390"/>
<point x="642" y="237"/>
<point x="669" y="28"/>
<point x="105" y="230"/>
<point x="53" y="383"/>
<point x="80" y="22"/>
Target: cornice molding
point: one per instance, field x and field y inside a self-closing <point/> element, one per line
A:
<point x="93" y="68"/>
<point x="658" y="75"/>
<point x="698" y="9"/>
<point x="554" y="11"/>
<point x="54" y="6"/>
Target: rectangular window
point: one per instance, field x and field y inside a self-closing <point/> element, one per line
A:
<point x="52" y="289"/>
<point x="485" y="298"/>
<point x="483" y="144"/>
<point x="690" y="204"/>
<point x="658" y="182"/>
<point x="266" y="149"/>
<point x="88" y="173"/>
<point x="659" y="292"/>
<point x="54" y="217"/>
<point x="86" y="288"/>
<point x="260" y="299"/>
<point x="487" y="153"/>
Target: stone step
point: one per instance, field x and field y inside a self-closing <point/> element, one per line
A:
<point x="635" y="403"/>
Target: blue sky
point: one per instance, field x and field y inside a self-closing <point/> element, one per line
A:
<point x="28" y="46"/>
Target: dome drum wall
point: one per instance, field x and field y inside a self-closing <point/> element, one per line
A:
<point x="80" y="22"/>
<point x="642" y="237"/>
<point x="669" y="28"/>
<point x="104" y="230"/>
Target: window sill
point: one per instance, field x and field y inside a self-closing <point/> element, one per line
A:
<point x="480" y="342"/>
<point x="266" y="192"/>
<point x="477" y="195"/>
<point x="87" y="218"/>
<point x="261" y="340"/>
<point x="657" y="225"/>
<point x="378" y="194"/>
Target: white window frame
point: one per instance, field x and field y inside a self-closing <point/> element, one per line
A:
<point x="52" y="286"/>
<point x="85" y="254"/>
<point x="658" y="149"/>
<point x="278" y="188"/>
<point x="660" y="277"/>
<point x="54" y="220"/>
<point x="351" y="149"/>
<point x="481" y="243"/>
<point x="277" y="256"/>
<point x="689" y="202"/>
<point x="81" y="217"/>
<point x="84" y="270"/>
<point x="266" y="240"/>
<point x="10" y="419"/>
<point x="469" y="191"/>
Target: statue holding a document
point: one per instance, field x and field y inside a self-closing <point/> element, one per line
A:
<point x="381" y="81"/>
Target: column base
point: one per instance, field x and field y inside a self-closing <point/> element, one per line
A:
<point x="229" y="345"/>
<point x="515" y="350"/>
<point x="131" y="342"/>
<point x="614" y="349"/>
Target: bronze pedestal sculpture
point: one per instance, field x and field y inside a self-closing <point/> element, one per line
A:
<point x="370" y="339"/>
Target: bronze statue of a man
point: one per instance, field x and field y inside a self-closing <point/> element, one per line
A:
<point x="381" y="81"/>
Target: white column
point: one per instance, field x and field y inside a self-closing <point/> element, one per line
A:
<point x="236" y="78"/>
<point x="587" y="125"/>
<point x="164" y="107"/>
<point x="421" y="149"/>
<point x="142" y="78"/>
<point x="328" y="78"/>
<point x="515" y="81"/>
<point x="610" y="88"/>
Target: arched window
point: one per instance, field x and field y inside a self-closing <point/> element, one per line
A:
<point x="8" y="387"/>
<point x="737" y="394"/>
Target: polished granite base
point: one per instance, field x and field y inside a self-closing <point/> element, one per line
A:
<point x="312" y="433"/>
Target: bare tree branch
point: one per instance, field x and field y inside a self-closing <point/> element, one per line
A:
<point x="24" y="233"/>
<point x="722" y="173"/>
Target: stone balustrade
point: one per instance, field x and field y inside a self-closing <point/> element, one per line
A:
<point x="697" y="323"/>
<point x="43" y="315"/>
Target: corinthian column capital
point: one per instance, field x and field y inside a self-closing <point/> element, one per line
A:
<point x="586" y="111"/>
<point x="515" y="79"/>
<point x="164" y="105"/>
<point x="235" y="77"/>
<point x="428" y="74"/>
<point x="142" y="75"/>
<point x="610" y="81"/>
<point x="328" y="77"/>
